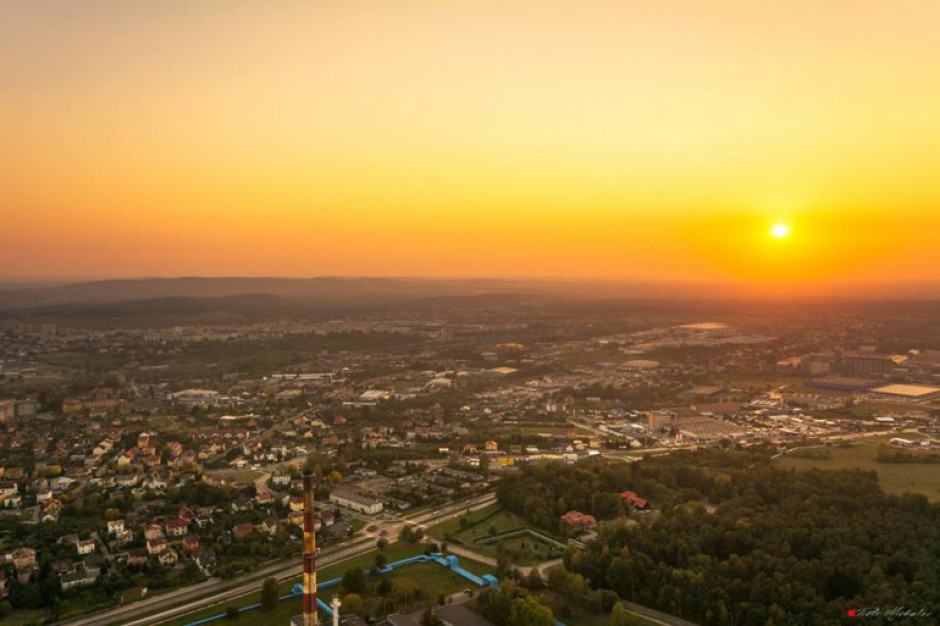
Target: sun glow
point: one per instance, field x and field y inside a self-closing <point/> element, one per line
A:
<point x="780" y="230"/>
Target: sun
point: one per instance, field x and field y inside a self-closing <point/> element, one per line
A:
<point x="780" y="230"/>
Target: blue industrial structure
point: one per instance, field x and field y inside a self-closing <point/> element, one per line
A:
<point x="450" y="562"/>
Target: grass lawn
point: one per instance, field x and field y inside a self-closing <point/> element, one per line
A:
<point x="524" y="550"/>
<point x="434" y="579"/>
<point x="161" y="421"/>
<point x="474" y="567"/>
<point x="503" y="521"/>
<point x="453" y="525"/>
<point x="245" y="476"/>
<point x="251" y="598"/>
<point x="895" y="478"/>
<point x="394" y="552"/>
<point x="356" y="525"/>
<point x="25" y="617"/>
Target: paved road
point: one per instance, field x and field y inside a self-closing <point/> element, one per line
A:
<point x="655" y="616"/>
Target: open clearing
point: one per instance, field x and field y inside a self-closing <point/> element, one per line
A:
<point x="895" y="478"/>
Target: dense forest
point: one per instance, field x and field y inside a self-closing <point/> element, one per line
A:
<point x="736" y="541"/>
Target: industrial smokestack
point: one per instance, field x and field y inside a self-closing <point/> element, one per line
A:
<point x="335" y="606"/>
<point x="310" y="555"/>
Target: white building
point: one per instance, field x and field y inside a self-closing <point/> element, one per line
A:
<point x="356" y="502"/>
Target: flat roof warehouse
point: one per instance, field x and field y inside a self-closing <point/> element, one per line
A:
<point x="917" y="392"/>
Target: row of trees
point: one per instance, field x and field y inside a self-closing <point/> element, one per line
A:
<point x="513" y="606"/>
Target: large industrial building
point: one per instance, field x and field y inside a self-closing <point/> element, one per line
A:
<point x="356" y="502"/>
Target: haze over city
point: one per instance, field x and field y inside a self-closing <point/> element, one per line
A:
<point x="650" y="141"/>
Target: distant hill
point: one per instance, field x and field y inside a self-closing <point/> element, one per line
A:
<point x="263" y="298"/>
<point x="324" y="288"/>
<point x="195" y="287"/>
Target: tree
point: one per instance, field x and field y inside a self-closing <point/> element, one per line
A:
<point x="269" y="594"/>
<point x="354" y="580"/>
<point x="380" y="561"/>
<point x="528" y="611"/>
<point x="534" y="580"/>
<point x="620" y="617"/>
<point x="382" y="543"/>
<point x="428" y="618"/>
<point x="231" y="612"/>
<point x="352" y="603"/>
<point x="502" y="559"/>
<point x="384" y="588"/>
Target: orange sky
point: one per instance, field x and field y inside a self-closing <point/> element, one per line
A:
<point x="651" y="140"/>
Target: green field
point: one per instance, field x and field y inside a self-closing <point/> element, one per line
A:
<point x="453" y="525"/>
<point x="25" y="617"/>
<point x="895" y="478"/>
<point x="245" y="476"/>
<point x="869" y="409"/>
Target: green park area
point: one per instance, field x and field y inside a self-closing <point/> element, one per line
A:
<point x="493" y="531"/>
<point x="409" y="588"/>
<point x="895" y="478"/>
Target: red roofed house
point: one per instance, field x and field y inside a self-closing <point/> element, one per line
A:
<point x="243" y="530"/>
<point x="177" y="527"/>
<point x="638" y="503"/>
<point x="190" y="543"/>
<point x="156" y="546"/>
<point x="578" y="520"/>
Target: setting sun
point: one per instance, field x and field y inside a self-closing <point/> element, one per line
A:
<point x="780" y="230"/>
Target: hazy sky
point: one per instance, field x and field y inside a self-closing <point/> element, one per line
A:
<point x="655" y="139"/>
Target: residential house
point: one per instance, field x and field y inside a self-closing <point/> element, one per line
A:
<point x="123" y="537"/>
<point x="241" y="531"/>
<point x="80" y="577"/>
<point x="578" y="520"/>
<point x="138" y="557"/>
<point x="177" y="528"/>
<point x="115" y="526"/>
<point x="296" y="518"/>
<point x="85" y="546"/>
<point x="638" y="503"/>
<point x="153" y="531"/>
<point x="269" y="525"/>
<point x="156" y="546"/>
